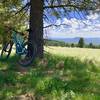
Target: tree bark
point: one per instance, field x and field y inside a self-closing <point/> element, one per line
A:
<point x="36" y="26"/>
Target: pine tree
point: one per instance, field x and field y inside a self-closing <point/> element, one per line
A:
<point x="81" y="43"/>
<point x="39" y="10"/>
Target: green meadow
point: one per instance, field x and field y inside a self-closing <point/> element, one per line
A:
<point x="63" y="74"/>
<point x="81" y="53"/>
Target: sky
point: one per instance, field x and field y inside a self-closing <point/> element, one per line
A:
<point x="87" y="27"/>
<point x="78" y="24"/>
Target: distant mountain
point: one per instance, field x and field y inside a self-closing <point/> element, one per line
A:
<point x="95" y="41"/>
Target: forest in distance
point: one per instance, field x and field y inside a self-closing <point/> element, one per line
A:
<point x="74" y="42"/>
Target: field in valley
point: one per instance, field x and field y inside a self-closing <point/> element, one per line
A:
<point x="81" y="53"/>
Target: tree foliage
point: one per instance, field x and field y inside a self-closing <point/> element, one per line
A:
<point x="64" y="7"/>
<point x="8" y="9"/>
<point x="58" y="8"/>
<point x="8" y="17"/>
<point x="81" y="43"/>
<point x="14" y="12"/>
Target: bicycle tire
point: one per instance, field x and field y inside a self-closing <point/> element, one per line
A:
<point x="30" y="59"/>
<point x="6" y="49"/>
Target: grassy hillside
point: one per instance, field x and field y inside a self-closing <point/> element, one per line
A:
<point x="61" y="75"/>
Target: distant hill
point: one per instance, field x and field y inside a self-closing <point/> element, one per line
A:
<point x="95" y="41"/>
<point x="54" y="42"/>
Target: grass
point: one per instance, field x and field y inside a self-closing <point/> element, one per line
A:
<point x="83" y="53"/>
<point x="56" y="77"/>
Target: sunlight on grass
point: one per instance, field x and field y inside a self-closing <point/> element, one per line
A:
<point x="58" y="76"/>
<point x="81" y="53"/>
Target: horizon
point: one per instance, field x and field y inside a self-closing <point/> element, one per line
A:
<point x="95" y="41"/>
<point x="73" y="37"/>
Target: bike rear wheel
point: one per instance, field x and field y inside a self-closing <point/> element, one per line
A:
<point x="26" y="60"/>
<point x="6" y="51"/>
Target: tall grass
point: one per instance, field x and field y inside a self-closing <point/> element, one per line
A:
<point x="81" y="53"/>
<point x="52" y="78"/>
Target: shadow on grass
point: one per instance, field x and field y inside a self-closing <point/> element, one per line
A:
<point x="51" y="74"/>
<point x="9" y="64"/>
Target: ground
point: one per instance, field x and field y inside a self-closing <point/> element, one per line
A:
<point x="63" y="74"/>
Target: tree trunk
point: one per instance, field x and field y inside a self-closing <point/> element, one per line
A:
<point x="36" y="26"/>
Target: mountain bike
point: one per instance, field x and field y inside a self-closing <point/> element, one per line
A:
<point x="21" y="47"/>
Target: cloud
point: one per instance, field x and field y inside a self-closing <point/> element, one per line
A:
<point x="89" y="27"/>
<point x="93" y="16"/>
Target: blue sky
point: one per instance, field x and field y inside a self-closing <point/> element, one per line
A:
<point x="77" y="25"/>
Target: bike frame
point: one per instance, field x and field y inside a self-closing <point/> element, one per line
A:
<point x="18" y="40"/>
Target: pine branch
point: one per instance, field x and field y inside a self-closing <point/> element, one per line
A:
<point x="66" y="5"/>
<point x="28" y="4"/>
<point x="60" y="6"/>
<point x="54" y="25"/>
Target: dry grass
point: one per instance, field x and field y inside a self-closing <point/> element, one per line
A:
<point x="81" y="53"/>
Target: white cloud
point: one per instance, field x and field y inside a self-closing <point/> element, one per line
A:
<point x="58" y="22"/>
<point x="89" y="27"/>
<point x="93" y="16"/>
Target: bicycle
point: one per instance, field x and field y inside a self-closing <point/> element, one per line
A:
<point x="21" y="49"/>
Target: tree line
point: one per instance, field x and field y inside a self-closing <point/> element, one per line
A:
<point x="81" y="44"/>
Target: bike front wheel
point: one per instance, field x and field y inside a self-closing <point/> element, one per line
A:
<point x="6" y="51"/>
<point x="26" y="59"/>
